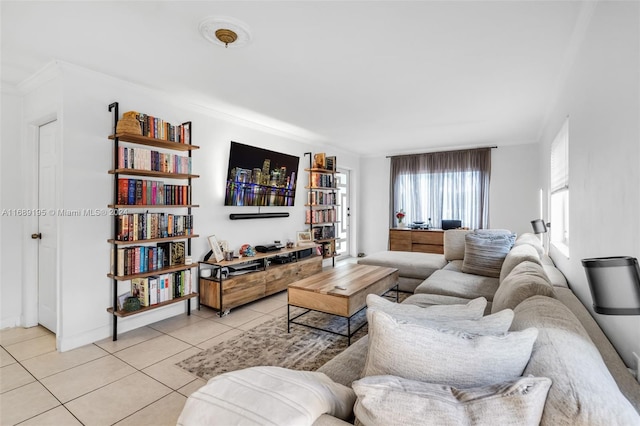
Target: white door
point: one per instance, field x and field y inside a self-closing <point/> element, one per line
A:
<point x="47" y="251"/>
<point x="344" y="214"/>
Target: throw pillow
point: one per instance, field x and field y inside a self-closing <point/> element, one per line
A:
<point x="527" y="279"/>
<point x="485" y="252"/>
<point x="389" y="400"/>
<point x="444" y="356"/>
<point x="497" y="323"/>
<point x="267" y="395"/>
<point x="469" y="311"/>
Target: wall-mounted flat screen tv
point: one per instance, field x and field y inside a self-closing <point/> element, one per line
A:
<point x="260" y="177"/>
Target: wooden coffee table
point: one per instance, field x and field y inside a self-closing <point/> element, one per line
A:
<point x="319" y="293"/>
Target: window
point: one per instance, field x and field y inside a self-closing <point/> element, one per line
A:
<point x="559" y="189"/>
<point x="442" y="185"/>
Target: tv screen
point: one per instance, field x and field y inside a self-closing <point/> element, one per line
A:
<point x="260" y="177"/>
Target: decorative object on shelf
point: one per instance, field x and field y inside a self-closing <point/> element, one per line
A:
<point x="304" y="237"/>
<point x="615" y="284"/>
<point x="215" y="248"/>
<point x="400" y="216"/>
<point x="129" y="124"/>
<point x="131" y="303"/>
<point x="247" y="250"/>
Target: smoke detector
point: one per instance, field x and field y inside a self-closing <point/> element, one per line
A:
<point x="226" y="32"/>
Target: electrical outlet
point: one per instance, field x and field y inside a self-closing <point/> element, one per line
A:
<point x="635" y="355"/>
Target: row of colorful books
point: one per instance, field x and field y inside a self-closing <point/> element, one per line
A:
<point x="147" y="226"/>
<point x="147" y="159"/>
<point x="145" y="192"/>
<point x="321" y="216"/>
<point x="162" y="288"/>
<point x="140" y="259"/>
<point x="321" y="181"/>
<point x="155" y="127"/>
<point x="321" y="198"/>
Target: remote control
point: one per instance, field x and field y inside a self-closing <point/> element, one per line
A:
<point x="340" y="287"/>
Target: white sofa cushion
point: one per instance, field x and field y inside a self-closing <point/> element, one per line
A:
<point x="527" y="279"/>
<point x="444" y="356"/>
<point x="471" y="310"/>
<point x="409" y="264"/>
<point x="583" y="390"/>
<point x="267" y="395"/>
<point x="517" y="255"/>
<point x="389" y="400"/>
<point x="458" y="284"/>
<point x="531" y="239"/>
<point x="497" y="323"/>
<point x="485" y="252"/>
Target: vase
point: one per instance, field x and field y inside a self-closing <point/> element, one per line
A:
<point x="400" y="224"/>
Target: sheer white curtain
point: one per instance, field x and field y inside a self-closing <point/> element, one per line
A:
<point x="442" y="185"/>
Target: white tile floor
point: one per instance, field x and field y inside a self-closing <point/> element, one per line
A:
<point x="132" y="381"/>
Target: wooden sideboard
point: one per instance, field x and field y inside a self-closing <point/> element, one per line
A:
<point x="420" y="240"/>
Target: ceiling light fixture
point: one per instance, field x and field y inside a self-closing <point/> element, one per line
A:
<point x="223" y="31"/>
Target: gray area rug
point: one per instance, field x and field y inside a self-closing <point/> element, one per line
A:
<point x="269" y="343"/>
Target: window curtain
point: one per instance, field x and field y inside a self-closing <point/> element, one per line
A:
<point x="442" y="185"/>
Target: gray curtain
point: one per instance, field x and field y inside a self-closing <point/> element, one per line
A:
<point x="442" y="185"/>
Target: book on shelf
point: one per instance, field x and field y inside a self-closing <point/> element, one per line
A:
<point x="330" y="163"/>
<point x="177" y="253"/>
<point x="140" y="289"/>
<point x="158" y="128"/>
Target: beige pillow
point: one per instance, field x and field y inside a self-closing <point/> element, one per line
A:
<point x="267" y="395"/>
<point x="444" y="356"/>
<point x="485" y="252"/>
<point x="527" y="279"/>
<point x="469" y="311"/>
<point x="388" y="400"/>
<point x="497" y="323"/>
<point x="454" y="244"/>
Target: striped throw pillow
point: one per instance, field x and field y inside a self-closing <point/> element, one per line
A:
<point x="484" y="253"/>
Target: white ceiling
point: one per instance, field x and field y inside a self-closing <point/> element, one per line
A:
<point x="371" y="77"/>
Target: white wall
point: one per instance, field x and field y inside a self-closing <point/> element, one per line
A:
<point x="514" y="188"/>
<point x="601" y="97"/>
<point x="87" y="155"/>
<point x="374" y="204"/>
<point x="10" y="198"/>
<point x="513" y="195"/>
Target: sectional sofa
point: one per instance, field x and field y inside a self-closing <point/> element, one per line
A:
<point x="532" y="354"/>
<point x="590" y="383"/>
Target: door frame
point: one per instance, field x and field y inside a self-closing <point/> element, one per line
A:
<point x="30" y="261"/>
<point x="350" y="227"/>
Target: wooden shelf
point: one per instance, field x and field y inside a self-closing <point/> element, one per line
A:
<point x="153" y="240"/>
<point x="151" y="206"/>
<point x="325" y="240"/>
<point x="317" y="170"/>
<point x="321" y="223"/>
<point x="121" y="313"/>
<point x="154" y="272"/>
<point x="152" y="173"/>
<point x="326" y="188"/>
<point x="160" y="143"/>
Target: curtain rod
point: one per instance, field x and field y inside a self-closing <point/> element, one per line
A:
<point x="444" y="150"/>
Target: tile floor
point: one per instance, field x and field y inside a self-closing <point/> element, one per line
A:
<point x="132" y="381"/>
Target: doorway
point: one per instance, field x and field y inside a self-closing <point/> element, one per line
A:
<point x="45" y="235"/>
<point x="343" y="235"/>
